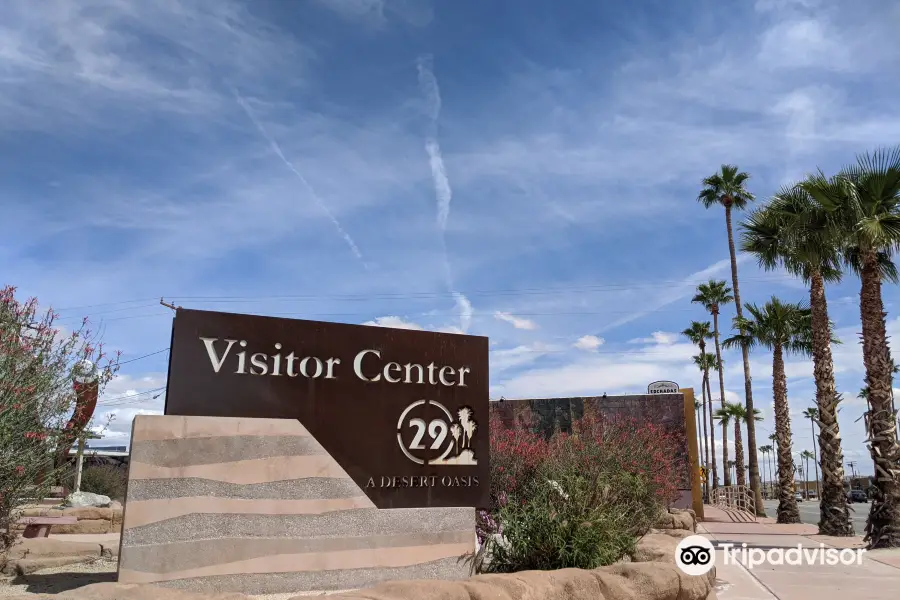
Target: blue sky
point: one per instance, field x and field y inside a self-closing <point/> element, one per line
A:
<point x="525" y="171"/>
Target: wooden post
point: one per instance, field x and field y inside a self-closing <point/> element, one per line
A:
<point x="690" y="426"/>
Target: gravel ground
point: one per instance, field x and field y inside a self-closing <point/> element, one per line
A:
<point x="60" y="579"/>
<point x="69" y="577"/>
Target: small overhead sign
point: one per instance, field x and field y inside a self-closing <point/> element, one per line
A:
<point x="663" y="387"/>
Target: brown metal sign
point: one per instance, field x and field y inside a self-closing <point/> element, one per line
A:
<point x="404" y="412"/>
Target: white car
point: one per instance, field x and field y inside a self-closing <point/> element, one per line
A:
<point x="798" y="496"/>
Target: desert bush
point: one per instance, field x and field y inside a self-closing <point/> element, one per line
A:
<point x="38" y="365"/>
<point x="106" y="480"/>
<point x="579" y="500"/>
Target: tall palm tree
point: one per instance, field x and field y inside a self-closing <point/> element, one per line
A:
<point x="865" y="198"/>
<point x="705" y="362"/>
<point x="806" y="455"/>
<point x="712" y="296"/>
<point x="725" y="417"/>
<point x="702" y="437"/>
<point x="812" y="414"/>
<point x="766" y="450"/>
<point x="740" y="416"/>
<point x="781" y="327"/>
<point x="793" y="231"/>
<point x="698" y="333"/>
<point x="774" y="467"/>
<point x="727" y="188"/>
<point x="699" y="362"/>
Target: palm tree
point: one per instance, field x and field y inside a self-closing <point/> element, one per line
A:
<point x="697" y="406"/>
<point x="698" y="333"/>
<point x="774" y="467"/>
<point x="812" y="414"/>
<point x="727" y="188"/>
<point x="865" y="198"/>
<point x="806" y="455"/>
<point x="794" y="232"/>
<point x="781" y="327"/>
<point x="740" y="416"/>
<point x="765" y="450"/>
<point x="705" y="362"/>
<point x="712" y="295"/>
<point x="725" y="416"/>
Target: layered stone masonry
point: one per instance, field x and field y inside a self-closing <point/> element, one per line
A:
<point x="90" y="519"/>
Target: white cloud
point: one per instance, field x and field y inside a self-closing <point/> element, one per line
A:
<point x="465" y="311"/>
<point x="393" y="321"/>
<point x="517" y="322"/>
<point x="511" y="358"/>
<point x="661" y="338"/>
<point x="589" y="342"/>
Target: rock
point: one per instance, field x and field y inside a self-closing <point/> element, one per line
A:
<point x="135" y="591"/>
<point x="26" y="566"/>
<point x="87" y="499"/>
<point x="678" y="534"/>
<point x="655" y="547"/>
<point x="50" y="547"/>
<point x="109" y="550"/>
<point x="643" y="581"/>
<point x="88" y="512"/>
<point x="83" y="527"/>
<point x="675" y="520"/>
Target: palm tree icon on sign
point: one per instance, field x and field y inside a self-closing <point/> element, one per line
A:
<point x="456" y="451"/>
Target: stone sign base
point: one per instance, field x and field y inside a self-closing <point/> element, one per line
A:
<point x="257" y="506"/>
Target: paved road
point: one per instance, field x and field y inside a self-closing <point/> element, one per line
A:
<point x="809" y="513"/>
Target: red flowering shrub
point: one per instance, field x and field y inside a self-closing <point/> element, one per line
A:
<point x="516" y="455"/>
<point x="37" y="368"/>
<point x="579" y="500"/>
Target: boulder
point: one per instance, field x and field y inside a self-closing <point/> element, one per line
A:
<point x="87" y="499"/>
<point x="655" y="547"/>
<point x="88" y="513"/>
<point x="678" y="534"/>
<point x="676" y="519"/>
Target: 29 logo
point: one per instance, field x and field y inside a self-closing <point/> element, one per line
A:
<point x="449" y="441"/>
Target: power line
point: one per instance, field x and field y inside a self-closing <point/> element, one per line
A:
<point x="128" y="397"/>
<point x="125" y="362"/>
<point x="430" y="294"/>
<point x="368" y="314"/>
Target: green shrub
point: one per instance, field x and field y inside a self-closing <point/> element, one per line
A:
<point x="106" y="480"/>
<point x="580" y="500"/>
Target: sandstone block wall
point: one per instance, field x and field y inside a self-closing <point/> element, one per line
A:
<point x="90" y="520"/>
<point x="257" y="506"/>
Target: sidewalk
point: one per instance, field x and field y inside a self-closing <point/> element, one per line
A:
<point x="877" y="578"/>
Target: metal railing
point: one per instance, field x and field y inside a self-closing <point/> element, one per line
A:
<point x="735" y="497"/>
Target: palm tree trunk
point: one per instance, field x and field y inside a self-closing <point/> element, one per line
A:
<point x="721" y="390"/>
<point x="834" y="514"/>
<point x="712" y="441"/>
<point x="705" y="435"/>
<point x="812" y="427"/>
<point x="787" y="504"/>
<point x="748" y="387"/>
<point x="739" y="454"/>
<point x="883" y="525"/>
